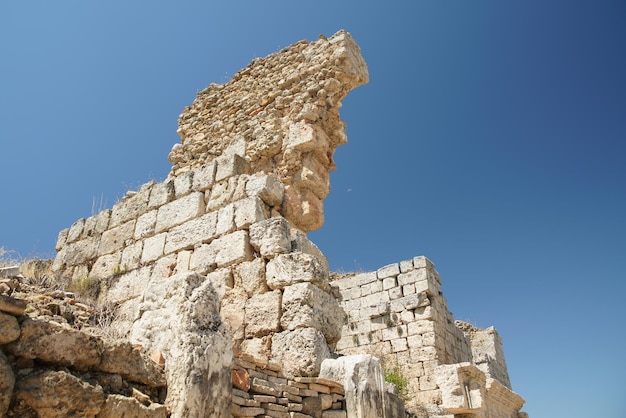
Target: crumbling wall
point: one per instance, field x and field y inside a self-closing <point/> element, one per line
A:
<point x="226" y="231"/>
<point x="399" y="313"/>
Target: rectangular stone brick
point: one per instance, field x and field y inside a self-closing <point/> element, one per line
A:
<point x="345" y="283"/>
<point x="161" y="194"/>
<point x="249" y="211"/>
<point x="232" y="249"/>
<point x="204" y="177"/>
<point x="375" y="299"/>
<point x="225" y="220"/>
<point x="131" y="206"/>
<point x="389" y="282"/>
<point x="192" y="233"/>
<point x="406" y="265"/>
<point x="414" y="301"/>
<point x="153" y="248"/>
<point x="145" y="225"/>
<point x="266" y="187"/>
<point x="362" y="279"/>
<point x="398" y="331"/>
<point x="75" y="230"/>
<point x="182" y="184"/>
<point x="244" y="411"/>
<point x="388" y="271"/>
<point x="116" y="238"/>
<point x="230" y="165"/>
<point x="180" y="211"/>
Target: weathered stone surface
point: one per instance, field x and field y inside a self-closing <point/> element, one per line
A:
<point x="53" y="343"/>
<point x="130" y="363"/>
<point x="145" y="225"/>
<point x="250" y="275"/>
<point x="131" y="206"/>
<point x="192" y="233"/>
<point x="305" y="305"/>
<point x="232" y="311"/>
<point x="271" y="237"/>
<point x="287" y="269"/>
<point x="262" y="315"/>
<point x="232" y="249"/>
<point x="9" y="328"/>
<point x="9" y="272"/>
<point x="258" y="348"/>
<point x="248" y="211"/>
<point x="114" y="239"/>
<point x="54" y="394"/>
<point x="7" y="381"/>
<point x="267" y="187"/>
<point x="13" y="306"/>
<point x="118" y="406"/>
<point x="179" y="316"/>
<point x="364" y="383"/>
<point x="180" y="211"/>
<point x="204" y="177"/>
<point x="301" y="351"/>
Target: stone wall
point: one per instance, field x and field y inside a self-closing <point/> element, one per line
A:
<point x="399" y="313"/>
<point x="267" y="391"/>
<point x="213" y="265"/>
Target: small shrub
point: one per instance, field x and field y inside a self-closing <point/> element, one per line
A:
<point x="87" y="287"/>
<point x="395" y="377"/>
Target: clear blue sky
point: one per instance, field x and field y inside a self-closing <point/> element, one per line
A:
<point x="491" y="138"/>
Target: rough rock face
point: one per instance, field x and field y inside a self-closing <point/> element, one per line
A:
<point x="179" y="317"/>
<point x="281" y="113"/>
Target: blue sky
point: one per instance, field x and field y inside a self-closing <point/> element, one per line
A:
<point x="491" y="138"/>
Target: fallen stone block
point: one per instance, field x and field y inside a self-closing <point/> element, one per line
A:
<point x="12" y="305"/>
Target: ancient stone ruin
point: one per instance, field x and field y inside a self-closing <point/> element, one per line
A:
<point x="222" y="304"/>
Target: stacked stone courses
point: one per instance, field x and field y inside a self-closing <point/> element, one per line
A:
<point x="212" y="272"/>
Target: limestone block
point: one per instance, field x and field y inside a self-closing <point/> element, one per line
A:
<point x="180" y="211"/>
<point x="423" y="262"/>
<point x="161" y="194"/>
<point x="420" y="327"/>
<point x="230" y="165"/>
<point x="116" y="406"/>
<point x="406" y="265"/>
<point x="153" y="248"/>
<point x="301" y="351"/>
<point x="192" y="233"/>
<point x="183" y="184"/>
<point x="258" y="348"/>
<point x="50" y="342"/>
<point x="267" y="187"/>
<point x="363" y="279"/>
<point x="249" y="211"/>
<point x="131" y="256"/>
<point x="128" y="285"/>
<point x="62" y="239"/>
<point x="227" y="191"/>
<point x="131" y="363"/>
<point x="313" y="175"/>
<point x="106" y="266"/>
<point x="202" y="260"/>
<point x="165" y="266"/>
<point x="9" y="328"/>
<point x="388" y="271"/>
<point x="103" y="219"/>
<point x="462" y="387"/>
<point x="10" y="271"/>
<point x="179" y="317"/>
<point x="75" y="230"/>
<point x="271" y="236"/>
<point x="393" y="333"/>
<point x="250" y="275"/>
<point x="262" y="314"/>
<point x="287" y="269"/>
<point x="145" y="225"/>
<point x="225" y="220"/>
<point x="131" y="206"/>
<point x="58" y="394"/>
<point x="77" y="253"/>
<point x="116" y="238"/>
<point x="301" y="243"/>
<point x="222" y="281"/>
<point x="303" y="208"/>
<point x="363" y="381"/>
<point x="182" y="261"/>
<point x="389" y="282"/>
<point x="416" y="300"/>
<point x="306" y="305"/>
<point x="232" y="310"/>
<point x="7" y="381"/>
<point x="204" y="177"/>
<point x="232" y="249"/>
